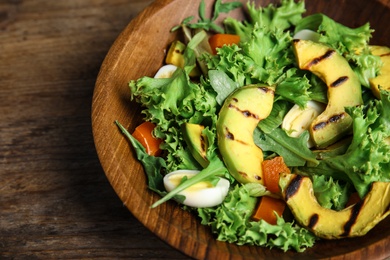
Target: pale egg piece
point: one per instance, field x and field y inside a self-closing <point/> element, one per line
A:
<point x="165" y="71"/>
<point x="306" y="34"/>
<point x="199" y="195"/>
<point x="297" y="120"/>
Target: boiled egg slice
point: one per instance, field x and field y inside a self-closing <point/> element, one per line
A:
<point x="165" y="71"/>
<point x="200" y="195"/>
<point x="306" y="34"/>
<point x="297" y="120"/>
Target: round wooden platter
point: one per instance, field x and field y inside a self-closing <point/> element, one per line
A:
<point x="139" y="51"/>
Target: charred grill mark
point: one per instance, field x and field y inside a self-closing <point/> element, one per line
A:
<point x="352" y="219"/>
<point x="339" y="81"/>
<point x="319" y="126"/>
<point x="245" y="113"/>
<point x="229" y="135"/>
<point x="336" y="118"/>
<point x="203" y="143"/>
<point x="313" y="221"/>
<point x="331" y="120"/>
<point x="293" y="187"/>
<point x="317" y="60"/>
<point x="243" y="174"/>
<point x="266" y="90"/>
<point x="385" y="54"/>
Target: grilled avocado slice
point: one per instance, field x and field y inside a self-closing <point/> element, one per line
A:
<point x="344" y="89"/>
<point x="196" y="141"/>
<point x="355" y="220"/>
<point x="238" y="118"/>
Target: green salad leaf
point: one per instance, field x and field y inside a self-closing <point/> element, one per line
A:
<point x="222" y="84"/>
<point x="293" y="150"/>
<point x="330" y="193"/>
<point x="152" y="165"/>
<point x="209" y="24"/>
<point x="280" y="17"/>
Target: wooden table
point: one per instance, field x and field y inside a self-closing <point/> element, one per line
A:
<point x="55" y="201"/>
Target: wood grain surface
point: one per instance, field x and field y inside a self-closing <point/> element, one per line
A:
<point x="55" y="200"/>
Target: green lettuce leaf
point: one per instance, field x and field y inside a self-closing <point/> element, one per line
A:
<point x="281" y="17"/>
<point x="330" y="194"/>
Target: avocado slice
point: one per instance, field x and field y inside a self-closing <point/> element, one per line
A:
<point x="355" y="220"/>
<point x="238" y="118"/>
<point x="175" y="56"/>
<point x="383" y="79"/>
<point x="344" y="90"/>
<point x="196" y="141"/>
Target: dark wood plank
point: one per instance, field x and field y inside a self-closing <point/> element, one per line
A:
<point x="55" y="201"/>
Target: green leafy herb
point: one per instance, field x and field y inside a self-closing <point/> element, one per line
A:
<point x="293" y="150"/>
<point x="209" y="24"/>
<point x="330" y="193"/>
<point x="281" y="17"/>
<point x="152" y="165"/>
<point x="222" y="84"/>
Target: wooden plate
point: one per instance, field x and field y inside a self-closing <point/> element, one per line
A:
<point x="139" y="51"/>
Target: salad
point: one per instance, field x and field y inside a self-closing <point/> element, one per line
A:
<point x="274" y="131"/>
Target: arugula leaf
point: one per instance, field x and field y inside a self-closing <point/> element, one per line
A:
<point x="209" y="24"/>
<point x="279" y="109"/>
<point x="152" y="165"/>
<point x="293" y="150"/>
